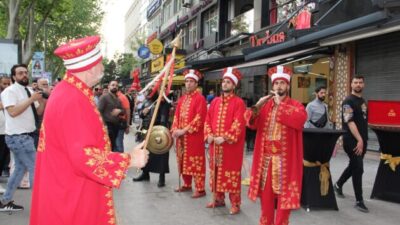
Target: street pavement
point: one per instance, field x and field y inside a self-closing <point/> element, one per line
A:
<point x="143" y="203"/>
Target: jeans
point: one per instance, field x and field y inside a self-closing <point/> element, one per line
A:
<point x="112" y="134"/>
<point x="23" y="150"/>
<point x="354" y="169"/>
<point x="119" y="141"/>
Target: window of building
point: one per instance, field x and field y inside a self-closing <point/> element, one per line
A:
<point x="155" y="23"/>
<point x="210" y="21"/>
<point x="168" y="11"/>
<point x="193" y="31"/>
<point x="280" y="10"/>
<point x="243" y="23"/>
<point x="178" y="5"/>
<point x="183" y="38"/>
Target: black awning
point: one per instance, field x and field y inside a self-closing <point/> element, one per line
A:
<point x="214" y="64"/>
<point x="316" y="36"/>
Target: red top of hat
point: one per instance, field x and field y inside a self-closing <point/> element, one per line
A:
<point x="136" y="83"/>
<point x="233" y="74"/>
<point x="80" y="54"/>
<point x="280" y="72"/>
<point x="192" y="73"/>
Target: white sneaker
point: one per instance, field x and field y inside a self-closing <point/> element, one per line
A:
<point x="2" y="190"/>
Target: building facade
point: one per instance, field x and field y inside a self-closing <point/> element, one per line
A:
<point x="135" y="23"/>
<point x="324" y="42"/>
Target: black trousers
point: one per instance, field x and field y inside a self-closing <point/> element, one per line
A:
<point x="112" y="134"/>
<point x="4" y="154"/>
<point x="355" y="168"/>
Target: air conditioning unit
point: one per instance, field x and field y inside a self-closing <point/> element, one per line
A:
<point x="186" y="3"/>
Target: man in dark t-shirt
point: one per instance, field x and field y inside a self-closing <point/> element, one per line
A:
<point x="111" y="110"/>
<point x="354" y="119"/>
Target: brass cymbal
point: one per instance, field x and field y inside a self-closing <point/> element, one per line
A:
<point x="160" y="140"/>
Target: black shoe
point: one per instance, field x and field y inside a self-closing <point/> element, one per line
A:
<point x="145" y="176"/>
<point x="338" y="191"/>
<point x="161" y="180"/>
<point x="10" y="207"/>
<point x="361" y="207"/>
<point x="6" y="173"/>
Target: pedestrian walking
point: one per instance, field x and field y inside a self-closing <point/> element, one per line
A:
<point x="354" y="121"/>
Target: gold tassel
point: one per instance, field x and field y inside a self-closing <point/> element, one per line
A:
<point x="324" y="175"/>
<point x="392" y="161"/>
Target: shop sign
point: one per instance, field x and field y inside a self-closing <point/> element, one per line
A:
<point x="200" y="6"/>
<point x="157" y="64"/>
<point x="172" y="27"/>
<point x="195" y="10"/>
<point x="143" y="52"/>
<point x="179" y="61"/>
<point x="156" y="47"/>
<point x="153" y="8"/>
<point x="182" y="19"/>
<point x="267" y="39"/>
<point x="151" y="37"/>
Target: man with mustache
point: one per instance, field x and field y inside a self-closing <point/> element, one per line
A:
<point x="225" y="133"/>
<point x="111" y="109"/>
<point x="317" y="110"/>
<point x="277" y="170"/>
<point x="354" y="121"/>
<point x="188" y="131"/>
<point x="22" y="108"/>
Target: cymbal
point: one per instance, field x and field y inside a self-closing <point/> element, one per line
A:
<point x="160" y="140"/>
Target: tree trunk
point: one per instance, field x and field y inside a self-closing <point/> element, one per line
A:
<point x="13" y="24"/>
<point x="30" y="39"/>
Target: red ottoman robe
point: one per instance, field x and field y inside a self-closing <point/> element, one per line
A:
<point x="225" y="118"/>
<point x="190" y="113"/>
<point x="75" y="168"/>
<point x="287" y="168"/>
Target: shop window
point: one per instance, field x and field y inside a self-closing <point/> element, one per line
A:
<point x="308" y="75"/>
<point x="193" y="31"/>
<point x="280" y="10"/>
<point x="210" y="21"/>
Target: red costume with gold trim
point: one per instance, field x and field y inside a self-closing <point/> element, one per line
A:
<point x="225" y="119"/>
<point x="75" y="168"/>
<point x="190" y="113"/>
<point x="278" y="157"/>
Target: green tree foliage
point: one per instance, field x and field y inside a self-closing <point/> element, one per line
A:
<point x="56" y="21"/>
<point x="119" y="68"/>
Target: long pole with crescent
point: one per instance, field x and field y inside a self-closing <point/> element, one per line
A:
<point x="175" y="43"/>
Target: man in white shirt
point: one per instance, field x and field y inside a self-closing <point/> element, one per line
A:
<point x="22" y="108"/>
